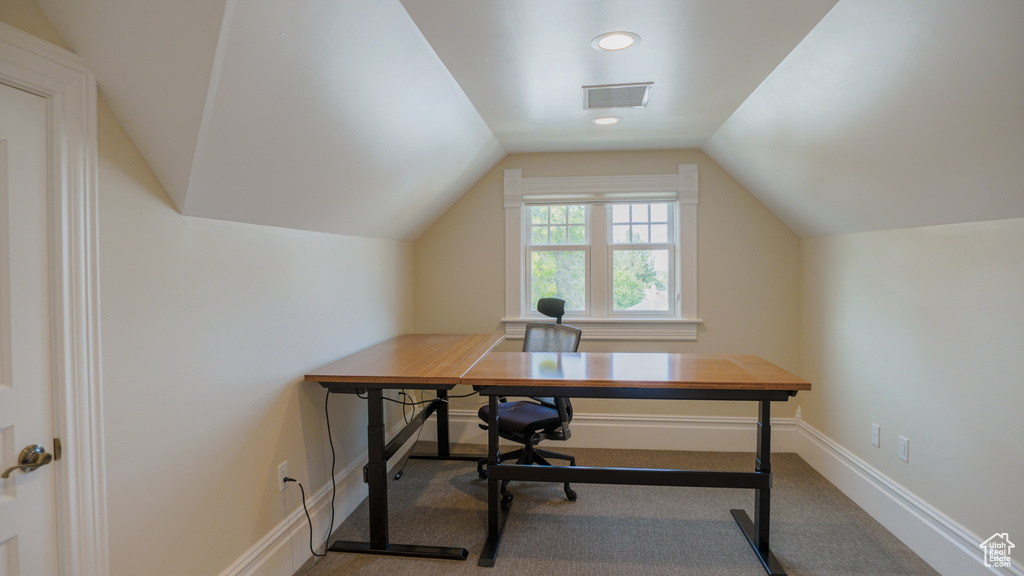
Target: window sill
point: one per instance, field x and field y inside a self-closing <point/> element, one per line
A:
<point x="616" y="328"/>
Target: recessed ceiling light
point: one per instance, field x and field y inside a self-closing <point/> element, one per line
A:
<point x="615" y="41"/>
<point x="606" y="120"/>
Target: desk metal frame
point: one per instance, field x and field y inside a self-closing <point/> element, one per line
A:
<point x="412" y="362"/>
<point x="375" y="474"/>
<point x="439" y="362"/>
<point x="756" y="531"/>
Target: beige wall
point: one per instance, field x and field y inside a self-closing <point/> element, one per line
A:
<point x="207" y="328"/>
<point x="748" y="293"/>
<point x="922" y="331"/>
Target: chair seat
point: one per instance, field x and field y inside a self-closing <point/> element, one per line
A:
<point x="522" y="418"/>
<point x="528" y="422"/>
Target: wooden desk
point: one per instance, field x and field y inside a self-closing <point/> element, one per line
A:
<point x="411" y="361"/>
<point x="646" y="376"/>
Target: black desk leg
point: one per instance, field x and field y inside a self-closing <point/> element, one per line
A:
<point x="377" y="470"/>
<point x="497" y="507"/>
<point x="377" y="479"/>
<point x="758" y="531"/>
<point x="444" y="445"/>
<point x="443" y="442"/>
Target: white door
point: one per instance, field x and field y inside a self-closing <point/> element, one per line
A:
<point x="28" y="526"/>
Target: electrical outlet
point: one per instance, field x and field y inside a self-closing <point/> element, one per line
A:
<point x="904" y="450"/>
<point x="282" y="471"/>
<point x="876" y="431"/>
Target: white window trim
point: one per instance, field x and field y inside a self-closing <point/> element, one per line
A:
<point x="681" y="187"/>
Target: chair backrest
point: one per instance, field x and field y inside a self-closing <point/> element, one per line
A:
<point x="548" y="337"/>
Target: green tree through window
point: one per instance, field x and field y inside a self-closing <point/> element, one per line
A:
<point x="559" y="274"/>
<point x="639" y="256"/>
<point x="634" y="273"/>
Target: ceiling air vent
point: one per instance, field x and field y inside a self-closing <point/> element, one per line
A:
<point x="617" y="95"/>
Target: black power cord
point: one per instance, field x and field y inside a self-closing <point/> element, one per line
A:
<point x="308" y="519"/>
<point x="334" y="487"/>
<point x="414" y="403"/>
<point x="406" y="400"/>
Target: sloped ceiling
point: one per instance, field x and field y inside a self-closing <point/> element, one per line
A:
<point x="371" y="117"/>
<point x="889" y="115"/>
<point x="152" y="60"/>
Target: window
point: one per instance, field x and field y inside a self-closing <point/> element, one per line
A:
<point x="620" y="250"/>
<point x="638" y="271"/>
<point x="641" y="255"/>
<point x="558" y="254"/>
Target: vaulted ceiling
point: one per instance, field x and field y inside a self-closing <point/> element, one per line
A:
<point x="371" y="117"/>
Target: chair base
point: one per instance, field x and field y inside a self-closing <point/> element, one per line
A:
<point x="526" y="456"/>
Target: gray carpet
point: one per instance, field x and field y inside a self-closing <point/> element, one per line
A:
<point x="627" y="530"/>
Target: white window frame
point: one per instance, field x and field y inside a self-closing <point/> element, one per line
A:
<point x="680" y="190"/>
<point x="529" y="248"/>
<point x="611" y="247"/>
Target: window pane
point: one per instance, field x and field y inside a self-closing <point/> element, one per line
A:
<point x="558" y="234"/>
<point x="620" y="233"/>
<point x="640" y="213"/>
<point x="539" y="235"/>
<point x="558" y="214"/>
<point x="620" y="213"/>
<point x="659" y="212"/>
<point x="577" y="214"/>
<point x="640" y="280"/>
<point x="559" y="274"/>
<point x="538" y="215"/>
<point x="641" y="234"/>
<point x="577" y="235"/>
<point x="659" y="233"/>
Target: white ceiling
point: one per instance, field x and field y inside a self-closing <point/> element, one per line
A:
<point x="371" y="117"/>
<point x="522" y="64"/>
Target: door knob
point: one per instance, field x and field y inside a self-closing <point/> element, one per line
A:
<point x="32" y="457"/>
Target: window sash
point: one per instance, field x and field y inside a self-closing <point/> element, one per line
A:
<point x="530" y="307"/>
<point x="519" y="193"/>
<point x="530" y="227"/>
<point x="648" y="226"/>
<point x="599" y="281"/>
<point x="670" y="288"/>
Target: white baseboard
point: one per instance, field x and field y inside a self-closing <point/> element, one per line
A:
<point x="944" y="544"/>
<point x="284" y="550"/>
<point x="948" y="547"/>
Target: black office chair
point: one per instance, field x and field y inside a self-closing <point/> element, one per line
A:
<point x="542" y="418"/>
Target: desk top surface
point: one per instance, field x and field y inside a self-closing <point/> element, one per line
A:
<point x="632" y="370"/>
<point x="410" y="359"/>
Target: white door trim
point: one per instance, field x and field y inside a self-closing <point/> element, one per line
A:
<point x="61" y="77"/>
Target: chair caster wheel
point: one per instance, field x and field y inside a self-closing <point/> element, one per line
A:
<point x="570" y="493"/>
